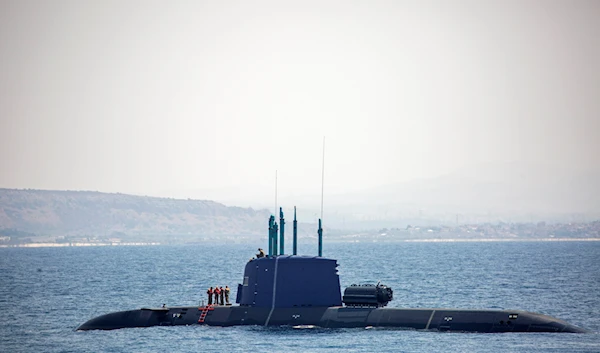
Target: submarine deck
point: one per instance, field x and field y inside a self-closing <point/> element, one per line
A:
<point x="440" y="319"/>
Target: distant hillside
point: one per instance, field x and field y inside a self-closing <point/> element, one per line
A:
<point x="487" y="192"/>
<point x="512" y="188"/>
<point x="89" y="214"/>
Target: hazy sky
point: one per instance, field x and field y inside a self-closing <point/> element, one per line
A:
<point x="161" y="97"/>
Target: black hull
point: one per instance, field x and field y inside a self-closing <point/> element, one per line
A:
<point x="337" y="317"/>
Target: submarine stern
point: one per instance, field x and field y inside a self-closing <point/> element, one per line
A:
<point x="544" y="323"/>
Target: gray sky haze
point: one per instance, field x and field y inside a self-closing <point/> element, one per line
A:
<point x="163" y="97"/>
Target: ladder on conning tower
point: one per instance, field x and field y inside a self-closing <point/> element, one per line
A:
<point x="204" y="311"/>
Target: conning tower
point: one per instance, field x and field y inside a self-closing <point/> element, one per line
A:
<point x="287" y="281"/>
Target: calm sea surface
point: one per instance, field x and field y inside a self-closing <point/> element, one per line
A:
<point x="45" y="293"/>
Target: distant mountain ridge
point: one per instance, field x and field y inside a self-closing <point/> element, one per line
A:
<point x="511" y="188"/>
<point x="97" y="214"/>
<point x="488" y="192"/>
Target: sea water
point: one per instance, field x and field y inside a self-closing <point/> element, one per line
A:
<point x="45" y="293"/>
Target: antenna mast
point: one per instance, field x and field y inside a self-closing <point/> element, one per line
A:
<point x="322" y="177"/>
<point x="320" y="231"/>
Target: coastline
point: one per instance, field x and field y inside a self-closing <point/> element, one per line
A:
<point x="497" y="240"/>
<point x="66" y="245"/>
<point x="450" y="240"/>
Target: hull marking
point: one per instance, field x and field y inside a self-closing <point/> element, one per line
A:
<point x="430" y="318"/>
<point x="274" y="292"/>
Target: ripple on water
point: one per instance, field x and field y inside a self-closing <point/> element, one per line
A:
<point x="75" y="284"/>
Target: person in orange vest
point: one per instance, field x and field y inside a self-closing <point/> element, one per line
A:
<point x="217" y="291"/>
<point x="227" y="294"/>
<point x="222" y="292"/>
<point x="210" y="294"/>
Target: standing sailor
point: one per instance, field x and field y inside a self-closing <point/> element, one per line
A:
<point x="210" y="294"/>
<point x="222" y="293"/>
<point x="217" y="292"/>
<point x="227" y="294"/>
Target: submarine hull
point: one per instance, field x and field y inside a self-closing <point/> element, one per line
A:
<point x="436" y="319"/>
<point x="291" y="290"/>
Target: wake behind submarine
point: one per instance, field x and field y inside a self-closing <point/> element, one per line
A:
<point x="298" y="290"/>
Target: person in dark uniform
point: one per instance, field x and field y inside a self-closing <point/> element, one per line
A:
<point x="260" y="254"/>
<point x="210" y="294"/>
<point x="217" y="291"/>
<point x="227" y="290"/>
<point x="222" y="293"/>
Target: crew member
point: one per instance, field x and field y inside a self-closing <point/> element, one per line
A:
<point x="217" y="291"/>
<point x="222" y="293"/>
<point x="210" y="295"/>
<point x="227" y="294"/>
<point x="260" y="254"/>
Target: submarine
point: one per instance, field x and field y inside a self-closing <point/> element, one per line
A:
<point x="300" y="291"/>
